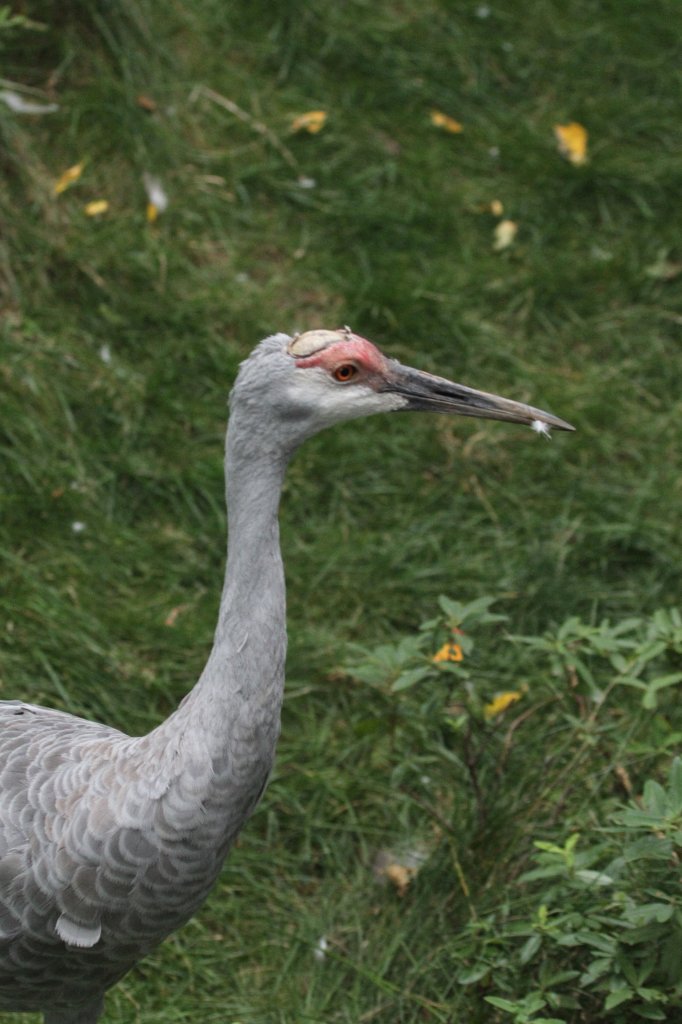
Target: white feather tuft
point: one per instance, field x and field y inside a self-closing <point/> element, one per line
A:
<point x="541" y="428"/>
<point x="156" y="193"/>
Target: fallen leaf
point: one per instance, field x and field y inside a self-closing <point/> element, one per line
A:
<point x="68" y="177"/>
<point x="500" y="703"/>
<point x="399" y="868"/>
<point x="572" y="142"/>
<point x="96" y="207"/>
<point x="505" y="233"/>
<point x="448" y="124"/>
<point x="173" y="614"/>
<point x="496" y="208"/>
<point x="624" y="778"/>
<point x="313" y="121"/>
<point x="146" y="103"/>
<point x="400" y="877"/>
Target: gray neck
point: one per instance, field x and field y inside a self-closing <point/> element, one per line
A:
<point x="238" y="697"/>
<point x="253" y="598"/>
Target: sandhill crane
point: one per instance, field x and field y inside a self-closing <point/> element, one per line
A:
<point x="110" y="842"/>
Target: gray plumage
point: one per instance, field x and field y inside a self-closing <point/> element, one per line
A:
<point x="109" y="842"/>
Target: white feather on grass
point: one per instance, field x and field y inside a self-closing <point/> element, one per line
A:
<point x="19" y="105"/>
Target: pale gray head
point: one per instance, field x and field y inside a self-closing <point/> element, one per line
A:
<point x="311" y="381"/>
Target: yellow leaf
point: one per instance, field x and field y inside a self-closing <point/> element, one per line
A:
<point x="496" y="208"/>
<point x="505" y="233"/>
<point x="572" y="142"/>
<point x="501" y="703"/>
<point x="399" y="868"/>
<point x="448" y="652"/>
<point x="400" y="876"/>
<point x="313" y="122"/>
<point x="67" y="179"/>
<point x="96" y="207"/>
<point x="152" y="212"/>
<point x="448" y="124"/>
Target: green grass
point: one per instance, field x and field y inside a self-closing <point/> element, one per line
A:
<point x="378" y="517"/>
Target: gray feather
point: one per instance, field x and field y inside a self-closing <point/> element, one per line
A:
<point x="109" y="842"/>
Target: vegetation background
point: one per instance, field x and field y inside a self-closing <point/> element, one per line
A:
<point x="392" y="872"/>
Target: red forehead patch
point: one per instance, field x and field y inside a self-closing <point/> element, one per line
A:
<point x="351" y="348"/>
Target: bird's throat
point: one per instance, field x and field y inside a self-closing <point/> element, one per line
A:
<point x="229" y="724"/>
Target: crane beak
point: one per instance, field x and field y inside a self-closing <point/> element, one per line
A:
<point x="425" y="392"/>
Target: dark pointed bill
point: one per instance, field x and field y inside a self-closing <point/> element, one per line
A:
<point x="426" y="392"/>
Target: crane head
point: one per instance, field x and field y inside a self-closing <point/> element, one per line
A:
<point x="322" y="377"/>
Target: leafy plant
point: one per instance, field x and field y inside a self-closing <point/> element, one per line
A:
<point x="524" y="1010"/>
<point x="632" y="648"/>
<point x="593" y="924"/>
<point x="610" y="907"/>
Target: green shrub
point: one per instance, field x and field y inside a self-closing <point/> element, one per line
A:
<point x="589" y="923"/>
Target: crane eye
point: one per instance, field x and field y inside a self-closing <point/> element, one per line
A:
<point x="345" y="372"/>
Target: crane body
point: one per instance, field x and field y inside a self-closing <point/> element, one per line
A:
<point x="108" y="843"/>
